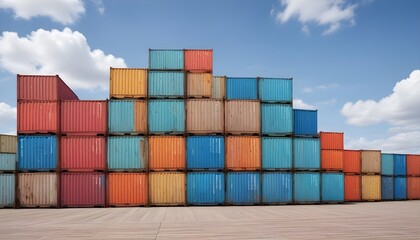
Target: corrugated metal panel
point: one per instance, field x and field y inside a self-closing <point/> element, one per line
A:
<point x="332" y="160"/>
<point x="277" y="187"/>
<point x="332" y="185"/>
<point x="128" y="83"/>
<point x="400" y="166"/>
<point x="205" y="116"/>
<point x="82" y="153"/>
<point x="166" y="153"/>
<point x="37" y="153"/>
<point x="8" y="144"/>
<point x="167" y="188"/>
<point x="127" y="153"/>
<point x="306" y="153"/>
<point x="7" y="161"/>
<point x="37" y="189"/>
<point x="241" y="88"/>
<point x="127" y="116"/>
<point x="371" y="187"/>
<point x="352" y="188"/>
<point x="243" y="153"/>
<point x="199" y="84"/>
<point x="205" y="152"/>
<point x="243" y="188"/>
<point x="413" y="165"/>
<point x="82" y="189"/>
<point x="218" y="87"/>
<point x="306" y="187"/>
<point x="371" y="161"/>
<point x="206" y="188"/>
<point x="84" y="117"/>
<point x="387" y="185"/>
<point x="276" y="118"/>
<point x="305" y="122"/>
<point x="38" y="117"/>
<point x="7" y="190"/>
<point x="47" y="88"/>
<point x="166" y="116"/>
<point x="128" y="189"/>
<point x="166" y="84"/>
<point x="413" y="188"/>
<point x="166" y="59"/>
<point x="242" y="116"/>
<point x="387" y="164"/>
<point x="332" y="140"/>
<point x="276" y="153"/>
<point x="400" y="188"/>
<point x="198" y="60"/>
<point x="352" y="161"/>
<point x="276" y="89"/>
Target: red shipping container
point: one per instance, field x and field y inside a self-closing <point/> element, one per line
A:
<point x="83" y="153"/>
<point x="83" y="189"/>
<point x="41" y="87"/>
<point x="198" y="60"/>
<point x="352" y="188"/>
<point x="83" y="117"/>
<point x="38" y="117"/>
<point x="413" y="165"/>
<point x="413" y="188"/>
<point x="332" y="160"/>
<point x="128" y="189"/>
<point x="352" y="161"/>
<point x="332" y="140"/>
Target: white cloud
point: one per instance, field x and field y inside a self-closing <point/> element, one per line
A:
<point x="99" y="6"/>
<point x="62" y="11"/>
<point x="65" y="53"/>
<point x="7" y="119"/>
<point x="300" y="104"/>
<point x="319" y="87"/>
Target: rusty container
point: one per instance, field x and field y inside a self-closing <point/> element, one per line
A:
<point x="218" y="87"/>
<point x="84" y="117"/>
<point x="352" y="188"/>
<point x="198" y="60"/>
<point x="8" y="144"/>
<point x="37" y="189"/>
<point x="332" y="140"/>
<point x="199" y="85"/>
<point x="38" y="117"/>
<point x="413" y="165"/>
<point x="167" y="188"/>
<point x="371" y="161"/>
<point x="242" y="116"/>
<point x="413" y="188"/>
<point x="205" y="116"/>
<point x="83" y="189"/>
<point x="127" y="116"/>
<point x="371" y="187"/>
<point x="243" y="153"/>
<point x="83" y="153"/>
<point x="128" y="83"/>
<point x="128" y="189"/>
<point x="332" y="160"/>
<point x="352" y="161"/>
<point x="166" y="153"/>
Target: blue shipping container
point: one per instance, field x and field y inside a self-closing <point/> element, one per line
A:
<point x="276" y="153"/>
<point x="37" y="153"/>
<point x="387" y="187"/>
<point x="166" y="116"/>
<point x="166" y="59"/>
<point x="306" y="153"/>
<point x="305" y="122"/>
<point x="243" y="188"/>
<point x="387" y="164"/>
<point x="121" y="116"/>
<point x="7" y="161"/>
<point x="127" y="153"/>
<point x="206" y="188"/>
<point x="332" y="185"/>
<point x="206" y="152"/>
<point x="276" y="90"/>
<point x="400" y="188"/>
<point x="7" y="190"/>
<point x="306" y="187"/>
<point x="241" y="88"/>
<point x="277" y="187"/>
<point x="276" y="118"/>
<point x="166" y="84"/>
<point x="400" y="165"/>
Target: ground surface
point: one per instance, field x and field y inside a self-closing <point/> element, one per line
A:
<point x="393" y="220"/>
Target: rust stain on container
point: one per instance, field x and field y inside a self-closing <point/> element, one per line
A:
<point x="371" y="161"/>
<point x="332" y="140"/>
<point x="352" y="185"/>
<point x="413" y="165"/>
<point x="38" y="117"/>
<point x="205" y="116"/>
<point x="128" y="189"/>
<point x="332" y="159"/>
<point x="166" y="153"/>
<point x="371" y="187"/>
<point x="243" y="153"/>
<point x="198" y="60"/>
<point x="80" y="153"/>
<point x="218" y="87"/>
<point x="167" y="188"/>
<point x="128" y="83"/>
<point x="37" y="189"/>
<point x="413" y="188"/>
<point x="8" y="144"/>
<point x="352" y="161"/>
<point x="140" y="116"/>
<point x="84" y="117"/>
<point x="199" y="84"/>
<point x="42" y="87"/>
<point x="242" y="116"/>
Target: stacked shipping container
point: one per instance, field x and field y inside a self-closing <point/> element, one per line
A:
<point x="413" y="177"/>
<point x="352" y="178"/>
<point x="8" y="147"/>
<point x="371" y="175"/>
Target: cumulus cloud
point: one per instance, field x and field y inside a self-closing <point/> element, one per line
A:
<point x="62" y="11"/>
<point x="66" y="53"/>
<point x="7" y="119"/>
<point x="300" y="104"/>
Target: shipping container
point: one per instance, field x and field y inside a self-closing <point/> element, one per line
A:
<point x="387" y="164"/>
<point x="83" y="189"/>
<point x="83" y="117"/>
<point x="306" y="187"/>
<point x="277" y="187"/>
<point x="332" y="160"/>
<point x="352" y="188"/>
<point x="387" y="186"/>
<point x="243" y="153"/>
<point x="7" y="190"/>
<point x="128" y="189"/>
<point x="127" y="153"/>
<point x="305" y="122"/>
<point x="277" y="153"/>
<point x="83" y="153"/>
<point x="127" y="116"/>
<point x="352" y="161"/>
<point x="277" y="119"/>
<point x="205" y="152"/>
<point x="275" y="90"/>
<point x="400" y="188"/>
<point x="371" y="187"/>
<point x="37" y="153"/>
<point x="205" y="116"/>
<point x="37" y="190"/>
<point x="332" y="140"/>
<point x="243" y="188"/>
<point x="167" y="188"/>
<point x="7" y="162"/>
<point x="198" y="60"/>
<point x="371" y="161"/>
<point x="241" y="88"/>
<point x="199" y="85"/>
<point x="44" y="88"/>
<point x="166" y="153"/>
<point x="166" y="116"/>
<point x="166" y="84"/>
<point x="8" y="144"/>
<point x="306" y="154"/>
<point x="413" y="165"/>
<point x="166" y="59"/>
<point x="400" y="165"/>
<point x="38" y="117"/>
<point x="128" y="83"/>
<point x="413" y="188"/>
<point x="206" y="188"/>
<point x="242" y="117"/>
<point x="218" y="87"/>
<point x="332" y="187"/>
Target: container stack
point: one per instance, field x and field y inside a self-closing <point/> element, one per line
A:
<point x="413" y="177"/>
<point x="400" y="177"/>
<point x="371" y="175"/>
<point x="352" y="178"/>
<point x="387" y="177"/>
<point x="8" y="148"/>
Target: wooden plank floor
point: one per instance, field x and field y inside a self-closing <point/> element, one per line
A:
<point x="385" y="220"/>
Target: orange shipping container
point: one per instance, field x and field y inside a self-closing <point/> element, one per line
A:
<point x="128" y="83"/>
<point x="242" y="116"/>
<point x="332" y="140"/>
<point x="332" y="160"/>
<point x="37" y="189"/>
<point x="166" y="153"/>
<point x="205" y="116"/>
<point x="371" y="187"/>
<point x="128" y="189"/>
<point x="413" y="165"/>
<point x="199" y="84"/>
<point x="371" y="161"/>
<point x="413" y="188"/>
<point x="352" y="187"/>
<point x="352" y="161"/>
<point x="38" y="117"/>
<point x="84" y="117"/>
<point x="243" y="153"/>
<point x="167" y="188"/>
<point x="198" y="60"/>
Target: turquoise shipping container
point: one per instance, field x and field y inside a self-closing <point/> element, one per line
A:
<point x="276" y="90"/>
<point x="243" y="188"/>
<point x="276" y="119"/>
<point x="241" y="88"/>
<point x="306" y="153"/>
<point x="332" y="187"/>
<point x="7" y="190"/>
<point x="7" y="162"/>
<point x="387" y="164"/>
<point x="306" y="187"/>
<point x="400" y="188"/>
<point x="305" y="122"/>
<point x="166" y="116"/>
<point x="276" y="153"/>
<point x="205" y="152"/>
<point x="400" y="165"/>
<point x="277" y="187"/>
<point x="387" y="187"/>
<point x="166" y="84"/>
<point x="206" y="188"/>
<point x="127" y="153"/>
<point x="121" y="116"/>
<point x="166" y="59"/>
<point x="37" y="153"/>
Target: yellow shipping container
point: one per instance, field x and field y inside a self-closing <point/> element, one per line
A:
<point x="128" y="83"/>
<point x="167" y="188"/>
<point x="8" y="144"/>
<point x="371" y="187"/>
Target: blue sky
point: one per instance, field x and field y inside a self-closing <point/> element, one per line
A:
<point x="346" y="57"/>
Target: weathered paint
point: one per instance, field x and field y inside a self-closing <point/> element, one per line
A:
<point x="371" y="187"/>
<point x="332" y="160"/>
<point x="83" y="153"/>
<point x="83" y="117"/>
<point x="242" y="116"/>
<point x="206" y="188"/>
<point x="306" y="187"/>
<point x="198" y="60"/>
<point x="127" y="153"/>
<point x="332" y="185"/>
<point x="166" y="59"/>
<point x="199" y="84"/>
<point x="127" y="116"/>
<point x="387" y="164"/>
<point x="243" y="153"/>
<point x="306" y="153"/>
<point x="352" y="188"/>
<point x="413" y="188"/>
<point x="205" y="116"/>
<point x="218" y="87"/>
<point x="205" y="152"/>
<point x="166" y="116"/>
<point x="82" y="189"/>
<point x="7" y="162"/>
<point x="371" y="161"/>
<point x="7" y="190"/>
<point x="387" y="188"/>
<point x="241" y="88"/>
<point x="164" y="84"/>
<point x="276" y="153"/>
<point x="128" y="83"/>
<point x="277" y="187"/>
<point x="400" y="188"/>
<point x="37" y="153"/>
<point x="276" y="89"/>
<point x="243" y="188"/>
<point x="400" y="165"/>
<point x="352" y="161"/>
<point x="276" y="119"/>
<point x="332" y="140"/>
<point x="8" y="144"/>
<point x="37" y="189"/>
<point x="305" y="122"/>
<point x="128" y="189"/>
<point x="38" y="117"/>
<point x="166" y="153"/>
<point x="167" y="188"/>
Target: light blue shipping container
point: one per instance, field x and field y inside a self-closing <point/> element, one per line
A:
<point x="7" y="190"/>
<point x="166" y="59"/>
<point x="306" y="187"/>
<point x="277" y="187"/>
<point x="243" y="188"/>
<point x="276" y="153"/>
<point x="387" y="164"/>
<point x="121" y="116"/>
<point x="241" y="88"/>
<point x="400" y="165"/>
<point x="127" y="153"/>
<point x="305" y="122"/>
<point x="7" y="161"/>
<point x="205" y="152"/>
<point x="37" y="153"/>
<point x="387" y="188"/>
<point x="276" y="90"/>
<point x="166" y="84"/>
<point x="166" y="116"/>
<point x="332" y="187"/>
<point x="306" y="154"/>
<point x="276" y="119"/>
<point x="400" y="188"/>
<point x="206" y="188"/>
